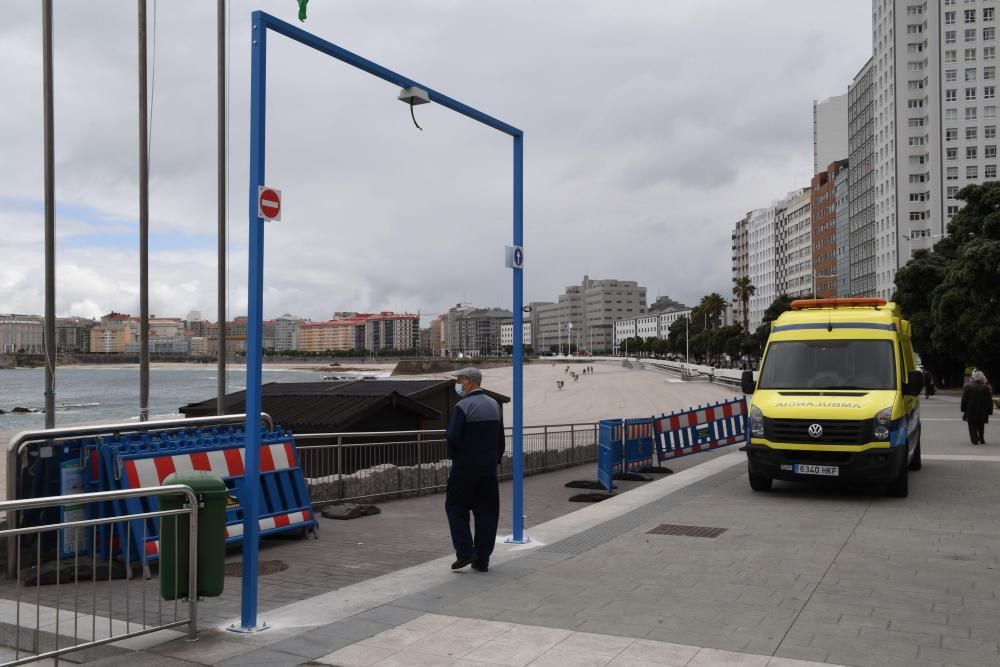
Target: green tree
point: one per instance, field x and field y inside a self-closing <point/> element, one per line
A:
<point x="712" y="306"/>
<point x="777" y="307"/>
<point x="951" y="293"/>
<point x="742" y="291"/>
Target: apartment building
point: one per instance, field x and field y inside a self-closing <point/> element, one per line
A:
<point x="823" y="196"/>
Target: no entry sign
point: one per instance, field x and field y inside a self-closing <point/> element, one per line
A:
<point x="268" y="203"/>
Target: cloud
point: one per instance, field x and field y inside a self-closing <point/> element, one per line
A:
<point x="650" y="127"/>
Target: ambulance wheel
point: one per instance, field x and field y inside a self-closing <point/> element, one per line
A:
<point x="760" y="483"/>
<point x="915" y="463"/>
<point x="900" y="487"/>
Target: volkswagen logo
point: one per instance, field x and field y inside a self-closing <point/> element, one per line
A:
<point x="815" y="430"/>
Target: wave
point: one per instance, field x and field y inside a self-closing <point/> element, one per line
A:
<point x="64" y="406"/>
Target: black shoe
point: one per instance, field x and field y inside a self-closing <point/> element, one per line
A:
<point x="460" y="563"/>
<point x="480" y="567"/>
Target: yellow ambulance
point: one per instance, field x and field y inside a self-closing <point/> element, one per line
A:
<point x="836" y="396"/>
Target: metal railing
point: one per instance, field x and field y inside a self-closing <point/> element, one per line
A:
<point x="41" y="624"/>
<point x="399" y="464"/>
<point x="31" y="443"/>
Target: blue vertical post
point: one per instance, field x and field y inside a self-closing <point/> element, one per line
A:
<point x="255" y="324"/>
<point x="517" y="439"/>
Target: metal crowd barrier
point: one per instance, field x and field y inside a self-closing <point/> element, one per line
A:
<point x="29" y="444"/>
<point x="397" y="464"/>
<point x="42" y="623"/>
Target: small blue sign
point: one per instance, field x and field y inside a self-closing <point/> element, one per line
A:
<point x="514" y="257"/>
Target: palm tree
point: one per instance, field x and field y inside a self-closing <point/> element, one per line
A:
<point x="743" y="290"/>
<point x="713" y="305"/>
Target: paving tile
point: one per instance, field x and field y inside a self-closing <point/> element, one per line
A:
<point x="356" y="655"/>
<point x="396" y="638"/>
<point x="710" y="657"/>
<point x="477" y="628"/>
<point x="447" y="645"/>
<point x="505" y="653"/>
<point x="661" y="653"/>
<point x="311" y="645"/>
<point x="416" y="659"/>
<point x="351" y="628"/>
<point x="206" y="649"/>
<point x="388" y="614"/>
<point x="595" y="643"/>
<point x="562" y="658"/>
<point x="428" y="623"/>
<point x="261" y="656"/>
<point x="535" y="636"/>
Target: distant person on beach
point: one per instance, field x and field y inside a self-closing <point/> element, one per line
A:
<point x="476" y="444"/>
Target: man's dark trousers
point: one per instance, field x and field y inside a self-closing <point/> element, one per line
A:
<point x="977" y="430"/>
<point x="470" y="491"/>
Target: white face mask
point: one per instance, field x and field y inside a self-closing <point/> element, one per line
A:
<point x="458" y="389"/>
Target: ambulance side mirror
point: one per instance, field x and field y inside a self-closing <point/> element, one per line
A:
<point x="746" y="382"/>
<point x="914" y="383"/>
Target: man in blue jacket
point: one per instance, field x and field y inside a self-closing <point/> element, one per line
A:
<point x="476" y="444"/>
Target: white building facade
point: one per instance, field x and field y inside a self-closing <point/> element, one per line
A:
<point x="829" y="131"/>
<point x="507" y="333"/>
<point x="794" y="246"/>
<point x="763" y="270"/>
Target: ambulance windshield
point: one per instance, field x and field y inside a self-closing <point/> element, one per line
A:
<point x="829" y="364"/>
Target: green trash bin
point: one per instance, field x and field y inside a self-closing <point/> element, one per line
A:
<point x="175" y="545"/>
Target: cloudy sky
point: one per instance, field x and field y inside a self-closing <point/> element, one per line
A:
<point x="650" y="127"/>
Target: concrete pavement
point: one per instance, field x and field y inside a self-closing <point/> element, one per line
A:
<point x="802" y="574"/>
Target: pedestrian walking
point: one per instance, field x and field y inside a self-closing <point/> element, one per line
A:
<point x="476" y="444"/>
<point x="928" y="383"/>
<point x="977" y="406"/>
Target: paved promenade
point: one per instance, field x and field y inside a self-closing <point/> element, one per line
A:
<point x="802" y="575"/>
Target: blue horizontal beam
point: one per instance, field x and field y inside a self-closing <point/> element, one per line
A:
<point x="299" y="35"/>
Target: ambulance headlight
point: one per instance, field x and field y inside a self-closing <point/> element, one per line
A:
<point x="756" y="422"/>
<point x="882" y="420"/>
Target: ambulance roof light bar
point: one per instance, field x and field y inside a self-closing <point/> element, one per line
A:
<point x="860" y="302"/>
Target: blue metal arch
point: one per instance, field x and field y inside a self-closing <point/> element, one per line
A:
<point x="261" y="23"/>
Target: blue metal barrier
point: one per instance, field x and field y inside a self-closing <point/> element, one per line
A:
<point x="146" y="461"/>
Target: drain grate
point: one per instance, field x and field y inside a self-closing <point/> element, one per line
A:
<point x="264" y="567"/>
<point x="686" y="531"/>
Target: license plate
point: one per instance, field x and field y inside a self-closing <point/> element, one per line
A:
<point x="807" y="469"/>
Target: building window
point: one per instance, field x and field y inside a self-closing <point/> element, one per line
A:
<point x="970" y="15"/>
<point x="970" y="34"/>
<point x="951" y="115"/>
<point x="989" y="92"/>
<point x="990" y="171"/>
<point x="951" y="95"/>
<point x="988" y="14"/>
<point x="950" y="75"/>
<point x="989" y="112"/>
<point x="970" y="94"/>
<point x="989" y="34"/>
<point x="971" y="113"/>
<point x="971" y="133"/>
<point x="952" y="210"/>
<point x="989" y="73"/>
<point x="990" y="152"/>
<point x="951" y="153"/>
<point x="989" y="132"/>
<point x="949" y="18"/>
<point x="970" y="55"/>
<point x="949" y="37"/>
<point x="989" y="53"/>
<point x="952" y="174"/>
<point x="970" y="73"/>
<point x="915" y="122"/>
<point x="952" y="191"/>
<point x="971" y="153"/>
